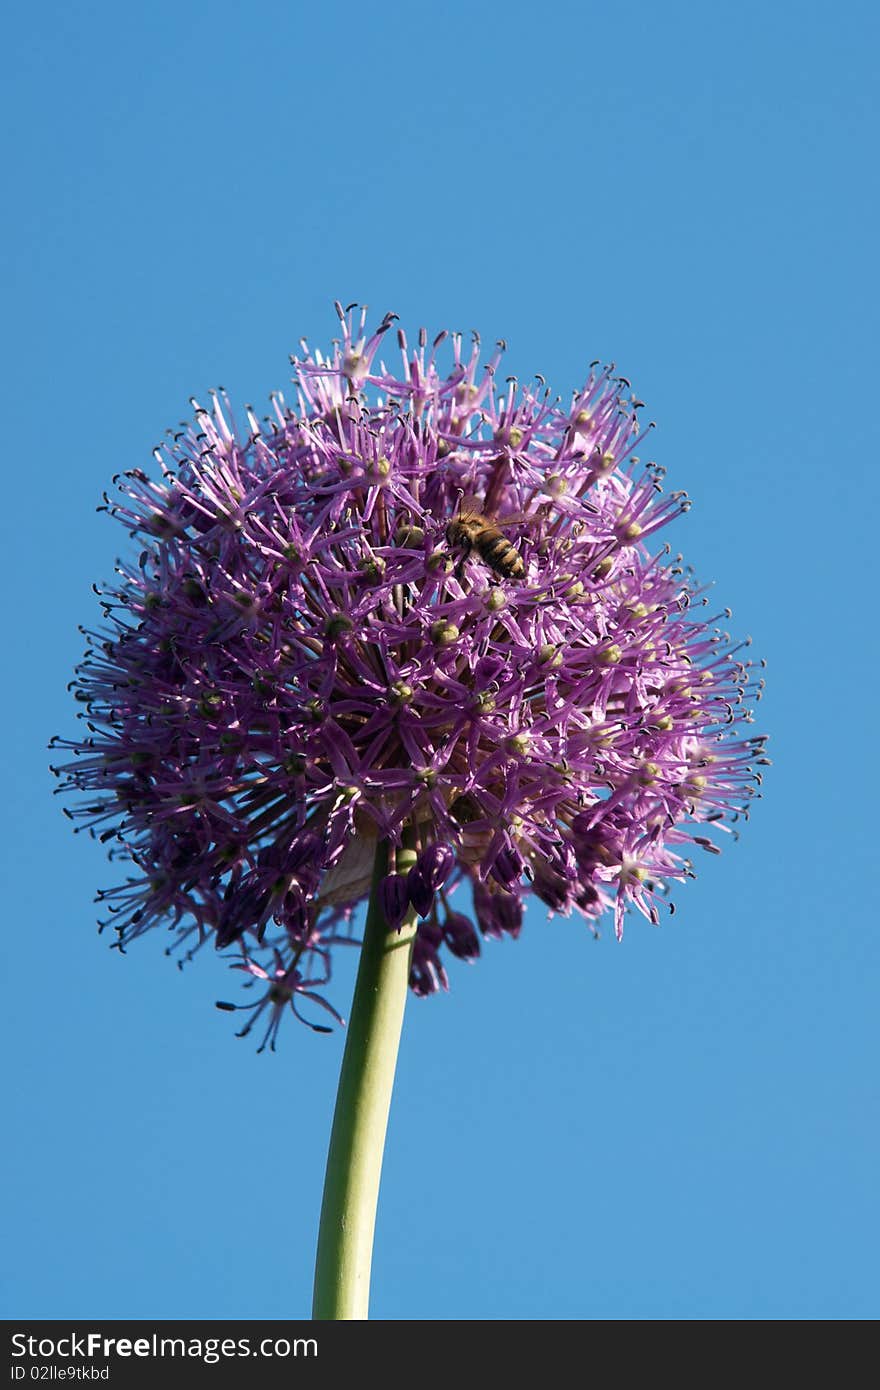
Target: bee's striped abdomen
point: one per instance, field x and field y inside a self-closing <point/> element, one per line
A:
<point x="499" y="554"/>
<point x="471" y="530"/>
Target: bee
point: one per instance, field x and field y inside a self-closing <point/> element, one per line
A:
<point x="471" y="530"/>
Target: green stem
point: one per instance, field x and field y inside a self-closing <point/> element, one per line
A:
<point x="357" y="1141"/>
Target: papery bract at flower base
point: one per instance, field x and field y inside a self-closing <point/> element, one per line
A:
<point x="296" y="664"/>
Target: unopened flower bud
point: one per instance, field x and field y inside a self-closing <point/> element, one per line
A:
<point x="507" y="868"/>
<point x="460" y="936"/>
<point x="394" y="899"/>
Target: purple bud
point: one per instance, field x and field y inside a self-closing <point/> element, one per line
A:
<point x="394" y="897"/>
<point x="287" y="856"/>
<point x="460" y="936"/>
<point x="245" y="907"/>
<point x="553" y="890"/>
<point x="497" y="912"/>
<point x="555" y="879"/>
<point x="292" y="913"/>
<point x="426" y="975"/>
<point x="507" y="868"/>
<point x="436" y="863"/>
<point x="588" y="900"/>
<point x="430" y="872"/>
<point x="597" y="845"/>
<point x="229" y="929"/>
<point x="421" y="894"/>
<point x="430" y="935"/>
<point x="510" y="913"/>
<point x="304" y="850"/>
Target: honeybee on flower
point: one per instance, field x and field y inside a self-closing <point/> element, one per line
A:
<point x="293" y="672"/>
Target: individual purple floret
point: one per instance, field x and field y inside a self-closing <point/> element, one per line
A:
<point x="418" y="601"/>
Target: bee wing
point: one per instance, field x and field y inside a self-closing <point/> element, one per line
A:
<point x="471" y="505"/>
<point x="535" y="516"/>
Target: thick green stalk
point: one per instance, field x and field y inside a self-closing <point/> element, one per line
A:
<point x="357" y="1141"/>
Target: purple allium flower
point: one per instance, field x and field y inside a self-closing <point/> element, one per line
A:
<point x="306" y="656"/>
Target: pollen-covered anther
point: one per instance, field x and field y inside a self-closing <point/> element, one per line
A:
<point x="443" y="633"/>
<point x="351" y="364"/>
<point x="378" y="468"/>
<point x="695" y="785"/>
<point x="401" y="693"/>
<point x="466" y="391"/>
<point x="439" y="559"/>
<point x="603" y="568"/>
<point x="194" y="590"/>
<point x="409" y="537"/>
<point x="338" y="624"/>
<point x="373" y="566"/>
<point x="631" y="872"/>
<point x="209" y="704"/>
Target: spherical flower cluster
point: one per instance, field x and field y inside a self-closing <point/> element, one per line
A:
<point x="418" y="607"/>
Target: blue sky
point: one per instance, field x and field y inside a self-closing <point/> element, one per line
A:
<point x="681" y="1126"/>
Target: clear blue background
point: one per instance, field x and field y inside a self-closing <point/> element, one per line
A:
<point x="681" y="1126"/>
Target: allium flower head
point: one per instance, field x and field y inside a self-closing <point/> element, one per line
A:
<point x="418" y="602"/>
